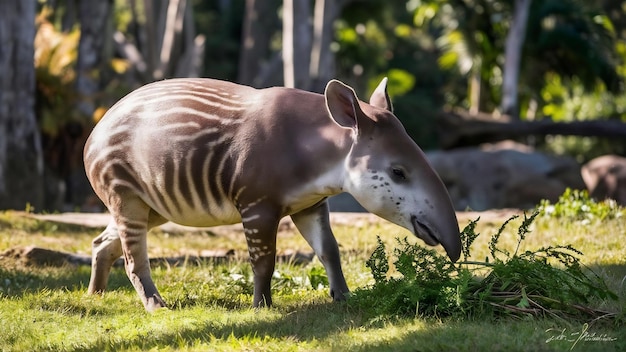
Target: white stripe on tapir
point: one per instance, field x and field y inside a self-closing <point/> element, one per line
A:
<point x="203" y="152"/>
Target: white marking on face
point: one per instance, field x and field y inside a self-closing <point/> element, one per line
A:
<point x="379" y="194"/>
<point x="362" y="183"/>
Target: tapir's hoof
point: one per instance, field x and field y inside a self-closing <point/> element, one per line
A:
<point x="155" y="303"/>
<point x="262" y="303"/>
<point x="339" y="296"/>
<point x="91" y="291"/>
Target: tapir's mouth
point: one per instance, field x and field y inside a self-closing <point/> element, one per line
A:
<point x="424" y="232"/>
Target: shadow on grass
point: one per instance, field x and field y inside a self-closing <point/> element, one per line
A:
<point x="321" y="322"/>
<point x="614" y="274"/>
<point x="307" y="323"/>
<point x="16" y="282"/>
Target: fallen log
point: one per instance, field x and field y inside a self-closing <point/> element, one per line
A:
<point x="459" y="128"/>
<point x="43" y="257"/>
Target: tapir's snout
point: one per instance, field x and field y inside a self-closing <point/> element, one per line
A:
<point x="445" y="232"/>
<point x="453" y="248"/>
<point x="451" y="242"/>
<point x="435" y="221"/>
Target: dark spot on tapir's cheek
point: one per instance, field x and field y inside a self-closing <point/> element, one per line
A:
<point x="398" y="202"/>
<point x="375" y="177"/>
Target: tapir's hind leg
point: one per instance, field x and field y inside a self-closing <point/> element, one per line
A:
<point x="132" y="217"/>
<point x="106" y="249"/>
<point x="314" y="224"/>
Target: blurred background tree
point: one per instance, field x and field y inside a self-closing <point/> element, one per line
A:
<point x="560" y="60"/>
<point x="21" y="166"/>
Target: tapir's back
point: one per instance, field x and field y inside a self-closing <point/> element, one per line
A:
<point x="162" y="103"/>
<point x="166" y="141"/>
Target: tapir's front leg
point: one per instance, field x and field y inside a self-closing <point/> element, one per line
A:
<point x="260" y="226"/>
<point x="314" y="224"/>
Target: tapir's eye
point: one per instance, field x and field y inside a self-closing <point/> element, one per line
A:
<point x="398" y="173"/>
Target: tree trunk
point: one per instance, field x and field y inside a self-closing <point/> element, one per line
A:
<point x="149" y="47"/>
<point x="165" y="45"/>
<point x="513" y="58"/>
<point x="172" y="36"/>
<point x="190" y="63"/>
<point x="21" y="163"/>
<point x="69" y="15"/>
<point x="258" y="25"/>
<point x="475" y="85"/>
<point x="296" y="43"/>
<point x="322" y="58"/>
<point x="94" y="16"/>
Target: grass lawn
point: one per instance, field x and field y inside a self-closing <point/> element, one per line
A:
<point x="47" y="308"/>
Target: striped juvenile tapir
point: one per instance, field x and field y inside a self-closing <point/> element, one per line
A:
<point x="203" y="152"/>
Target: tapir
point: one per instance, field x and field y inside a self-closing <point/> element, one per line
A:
<point x="203" y="152"/>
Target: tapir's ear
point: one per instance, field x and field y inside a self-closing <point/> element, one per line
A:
<point x="342" y="104"/>
<point x="380" y="98"/>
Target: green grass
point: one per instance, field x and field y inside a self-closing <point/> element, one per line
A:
<point x="47" y="309"/>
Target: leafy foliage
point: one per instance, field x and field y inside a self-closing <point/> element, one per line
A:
<point x="577" y="205"/>
<point x="55" y="59"/>
<point x="549" y="281"/>
<point x="558" y="38"/>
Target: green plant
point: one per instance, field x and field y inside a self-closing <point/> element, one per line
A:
<point x="549" y="281"/>
<point x="579" y="206"/>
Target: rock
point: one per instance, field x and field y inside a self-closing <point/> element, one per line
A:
<point x="605" y="177"/>
<point x="504" y="175"/>
<point x="35" y="256"/>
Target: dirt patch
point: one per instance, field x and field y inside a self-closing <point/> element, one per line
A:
<point x="490" y="216"/>
<point x="100" y="220"/>
<point x="37" y="256"/>
<point x="41" y="257"/>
